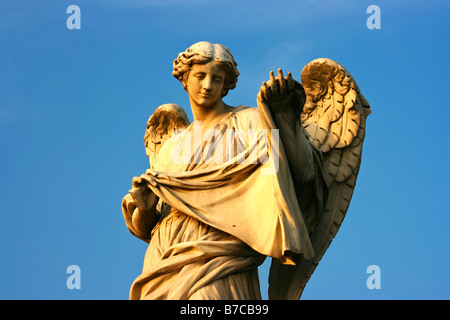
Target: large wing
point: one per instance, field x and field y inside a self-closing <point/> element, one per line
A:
<point x="160" y="126"/>
<point x="334" y="118"/>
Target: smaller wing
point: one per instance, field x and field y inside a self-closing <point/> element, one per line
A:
<point x="160" y="126"/>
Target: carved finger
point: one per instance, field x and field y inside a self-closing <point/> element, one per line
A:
<point x="265" y="91"/>
<point x="290" y="82"/>
<point x="153" y="182"/>
<point x="136" y="194"/>
<point x="273" y="83"/>
<point x="272" y="76"/>
<point x="281" y="82"/>
<point x="137" y="181"/>
<point x="152" y="200"/>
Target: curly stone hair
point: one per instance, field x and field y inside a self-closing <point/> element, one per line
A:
<point x="202" y="53"/>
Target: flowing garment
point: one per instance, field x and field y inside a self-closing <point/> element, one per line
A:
<point x="220" y="219"/>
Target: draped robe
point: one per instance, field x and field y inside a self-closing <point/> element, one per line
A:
<point x="222" y="214"/>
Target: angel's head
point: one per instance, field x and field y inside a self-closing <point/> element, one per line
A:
<point x="202" y="53"/>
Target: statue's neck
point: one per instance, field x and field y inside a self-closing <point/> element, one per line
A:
<point x="208" y="115"/>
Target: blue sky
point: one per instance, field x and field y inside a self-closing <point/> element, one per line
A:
<point x="74" y="105"/>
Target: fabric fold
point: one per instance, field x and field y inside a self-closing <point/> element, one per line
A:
<point x="226" y="217"/>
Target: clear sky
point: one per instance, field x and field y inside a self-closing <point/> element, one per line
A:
<point x="74" y="105"/>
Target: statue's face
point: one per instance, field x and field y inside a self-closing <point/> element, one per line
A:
<point x="205" y="84"/>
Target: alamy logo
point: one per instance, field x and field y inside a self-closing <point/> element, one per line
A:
<point x="237" y="146"/>
<point x="374" y="280"/>
<point x="374" y="20"/>
<point x="74" y="20"/>
<point x="74" y="280"/>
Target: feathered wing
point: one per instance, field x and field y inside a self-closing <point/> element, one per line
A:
<point x="160" y="126"/>
<point x="334" y="118"/>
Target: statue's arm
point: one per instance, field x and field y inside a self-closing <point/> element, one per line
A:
<point x="297" y="148"/>
<point x="139" y="211"/>
<point x="284" y="108"/>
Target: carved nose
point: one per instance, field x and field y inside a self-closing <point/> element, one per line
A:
<point x="207" y="84"/>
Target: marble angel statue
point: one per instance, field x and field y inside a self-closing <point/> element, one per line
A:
<point x="241" y="184"/>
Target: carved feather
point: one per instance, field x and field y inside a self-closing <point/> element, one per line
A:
<point x="160" y="126"/>
<point x="330" y="91"/>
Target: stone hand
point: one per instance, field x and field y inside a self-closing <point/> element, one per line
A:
<point x="278" y="92"/>
<point x="142" y="195"/>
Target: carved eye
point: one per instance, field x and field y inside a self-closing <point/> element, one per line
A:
<point x="217" y="80"/>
